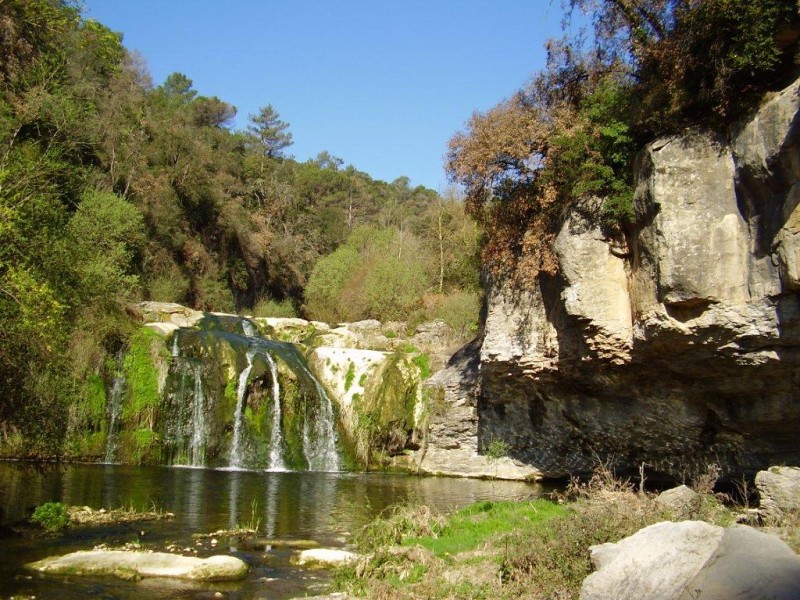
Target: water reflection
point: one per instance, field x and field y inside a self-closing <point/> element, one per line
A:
<point x="319" y="506"/>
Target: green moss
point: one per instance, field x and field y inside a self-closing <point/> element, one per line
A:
<point x="350" y="375"/>
<point x="144" y="440"/>
<point x="95" y="400"/>
<point x="385" y="413"/>
<point x="292" y="420"/>
<point x="141" y="374"/>
<point x="423" y="362"/>
<point x="362" y="381"/>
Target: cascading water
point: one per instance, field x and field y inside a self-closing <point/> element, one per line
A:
<point x="197" y="455"/>
<point x="276" y="462"/>
<point x="319" y="437"/>
<point x="235" y="460"/>
<point x="282" y="417"/>
<point x="114" y="412"/>
<point x="188" y="431"/>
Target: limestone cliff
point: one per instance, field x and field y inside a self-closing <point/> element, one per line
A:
<point x="681" y="350"/>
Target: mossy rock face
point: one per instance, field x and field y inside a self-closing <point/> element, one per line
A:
<point x="140" y="446"/>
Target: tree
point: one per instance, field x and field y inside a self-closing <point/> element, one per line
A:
<point x="177" y="87"/>
<point x="270" y="133"/>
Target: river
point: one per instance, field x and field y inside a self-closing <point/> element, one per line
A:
<point x="323" y="507"/>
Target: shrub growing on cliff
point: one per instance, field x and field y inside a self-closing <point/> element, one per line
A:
<point x="656" y="66"/>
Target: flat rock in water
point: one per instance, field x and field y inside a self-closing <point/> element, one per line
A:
<point x="144" y="564"/>
<point x="325" y="557"/>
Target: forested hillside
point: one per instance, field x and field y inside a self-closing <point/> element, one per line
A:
<point x="115" y="189"/>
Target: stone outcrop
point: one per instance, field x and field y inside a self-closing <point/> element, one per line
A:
<point x="451" y="444"/>
<point x="126" y="564"/>
<point x="779" y="491"/>
<point x="680" y="349"/>
<point x="692" y="559"/>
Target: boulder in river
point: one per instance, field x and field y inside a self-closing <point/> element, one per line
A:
<point x="127" y="565"/>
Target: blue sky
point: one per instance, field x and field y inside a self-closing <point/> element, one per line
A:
<point x="381" y="84"/>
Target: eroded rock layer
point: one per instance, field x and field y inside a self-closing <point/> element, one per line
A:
<point x="680" y="350"/>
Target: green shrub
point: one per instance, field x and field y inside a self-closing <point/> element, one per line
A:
<point x="53" y="516"/>
<point x="392" y="286"/>
<point x="169" y="288"/>
<point x="327" y="282"/>
<point x="267" y="307"/>
<point x="460" y="310"/>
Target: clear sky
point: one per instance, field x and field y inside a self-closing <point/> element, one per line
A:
<point x="382" y="84"/>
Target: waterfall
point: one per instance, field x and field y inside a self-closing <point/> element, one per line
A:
<point x="114" y="413"/>
<point x="176" y="349"/>
<point x="275" y="438"/>
<point x="198" y="414"/>
<point x="249" y="329"/>
<point x="319" y="437"/>
<point x="198" y="419"/>
<point x="235" y="460"/>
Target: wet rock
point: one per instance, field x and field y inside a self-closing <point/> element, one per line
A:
<point x="144" y="564"/>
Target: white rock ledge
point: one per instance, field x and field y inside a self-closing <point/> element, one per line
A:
<point x="145" y="564"/>
<point x="324" y="557"/>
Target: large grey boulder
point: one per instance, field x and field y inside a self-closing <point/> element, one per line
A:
<point x="779" y="491"/>
<point x="656" y="562"/>
<point x="126" y="564"/>
<point x="692" y="559"/>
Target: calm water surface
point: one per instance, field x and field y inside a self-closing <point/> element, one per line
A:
<point x="324" y="507"/>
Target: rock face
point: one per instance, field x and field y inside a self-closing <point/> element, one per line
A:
<point x="679" y="351"/>
<point x="779" y="491"/>
<point x="144" y="564"/>
<point x="692" y="559"/>
<point x="451" y="444"/>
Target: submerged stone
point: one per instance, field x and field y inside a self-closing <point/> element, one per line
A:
<point x="126" y="564"/>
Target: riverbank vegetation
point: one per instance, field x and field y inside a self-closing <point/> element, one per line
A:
<point x="115" y="188"/>
<point x="568" y="139"/>
<point x="530" y="549"/>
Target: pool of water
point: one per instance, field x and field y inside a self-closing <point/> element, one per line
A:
<point x="323" y="507"/>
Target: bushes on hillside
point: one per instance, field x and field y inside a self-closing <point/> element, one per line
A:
<point x="389" y="275"/>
